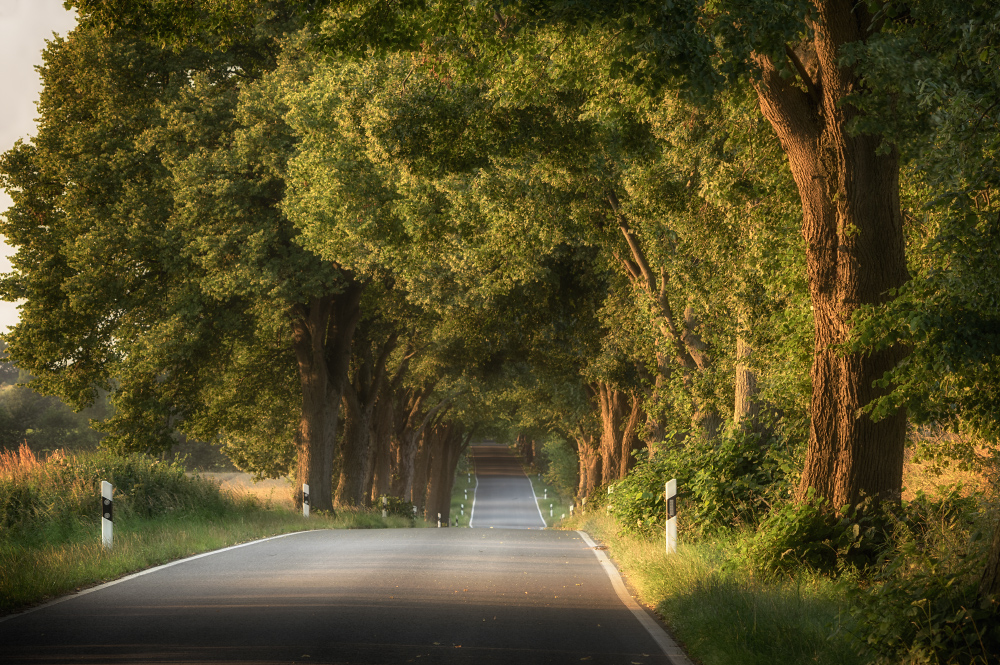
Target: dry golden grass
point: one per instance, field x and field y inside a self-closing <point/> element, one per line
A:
<point x="922" y="473"/>
<point x="271" y="492"/>
<point x="16" y="464"/>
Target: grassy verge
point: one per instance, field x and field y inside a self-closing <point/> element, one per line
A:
<point x="720" y="612"/>
<point x="50" y="529"/>
<point x="463" y="493"/>
<point x="553" y="506"/>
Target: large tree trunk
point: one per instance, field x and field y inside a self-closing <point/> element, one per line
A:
<point x="526" y="448"/>
<point x="620" y="414"/>
<point x="448" y="443"/>
<point x="360" y="398"/>
<point x="855" y="253"/>
<point x="382" y="463"/>
<point x="436" y="440"/>
<point x="589" y="454"/>
<point x="421" y="472"/>
<point x="309" y="326"/>
<point x="342" y="323"/>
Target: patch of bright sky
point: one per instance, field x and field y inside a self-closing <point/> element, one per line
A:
<point x="25" y="25"/>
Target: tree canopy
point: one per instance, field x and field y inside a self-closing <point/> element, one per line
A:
<point x="339" y="239"/>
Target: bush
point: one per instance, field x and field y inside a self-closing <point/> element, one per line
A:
<point x="394" y="506"/>
<point x="66" y="488"/>
<point x="814" y="536"/>
<point x="730" y="481"/>
<point x="562" y="468"/>
<point x="921" y="606"/>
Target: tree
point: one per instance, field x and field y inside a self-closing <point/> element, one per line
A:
<point x="148" y="165"/>
<point x="848" y="182"/>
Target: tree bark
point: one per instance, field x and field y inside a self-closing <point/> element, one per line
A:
<point x="526" y="448"/>
<point x="589" y="455"/>
<point x="382" y="462"/>
<point x="360" y="398"/>
<point x="309" y="326"/>
<point x="746" y="408"/>
<point x="421" y="473"/>
<point x="849" y="186"/>
<point x="322" y="332"/>
<point x="620" y="413"/>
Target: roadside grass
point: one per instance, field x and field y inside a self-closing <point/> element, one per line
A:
<point x="463" y="493"/>
<point x="50" y="526"/>
<point x="553" y="506"/>
<point x="722" y="613"/>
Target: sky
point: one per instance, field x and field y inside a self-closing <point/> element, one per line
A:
<point x="25" y="25"/>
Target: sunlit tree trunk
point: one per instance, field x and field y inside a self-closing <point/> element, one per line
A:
<point x="620" y="413"/>
<point x="308" y="338"/>
<point x="746" y="408"/>
<point x="849" y="186"/>
<point x="360" y="398"/>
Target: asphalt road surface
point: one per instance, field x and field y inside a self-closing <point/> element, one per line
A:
<point x="504" y="497"/>
<point x="382" y="596"/>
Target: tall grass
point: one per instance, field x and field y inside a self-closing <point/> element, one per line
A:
<point x="724" y="614"/>
<point x="50" y="520"/>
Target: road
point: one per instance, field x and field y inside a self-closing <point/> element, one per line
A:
<point x="504" y="497"/>
<point x="483" y="595"/>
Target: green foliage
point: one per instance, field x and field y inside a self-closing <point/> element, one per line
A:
<point x="44" y="422"/>
<point x="66" y="490"/>
<point x="727" y="482"/>
<point x="393" y="505"/>
<point x="562" y="466"/>
<point x="921" y="607"/>
<point x="812" y="536"/>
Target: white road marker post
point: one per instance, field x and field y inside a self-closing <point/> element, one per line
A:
<point x="463" y="510"/>
<point x="439" y="520"/>
<point x="305" y="500"/>
<point x="671" y="495"/>
<point x="545" y="493"/>
<point x="385" y="513"/>
<point x="107" y="514"/>
<point x="550" y="510"/>
<point x="571" y="510"/>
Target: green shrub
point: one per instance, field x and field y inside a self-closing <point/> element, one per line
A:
<point x="394" y="506"/>
<point x="920" y="607"/>
<point x="561" y="466"/>
<point x="63" y="489"/>
<point x="730" y="481"/>
<point x="813" y="536"/>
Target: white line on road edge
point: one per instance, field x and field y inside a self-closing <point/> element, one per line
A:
<point x="472" y="511"/>
<point x="147" y="572"/>
<point x="655" y="630"/>
<point x="534" y="496"/>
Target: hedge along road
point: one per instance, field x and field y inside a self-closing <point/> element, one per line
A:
<point x="382" y="596"/>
